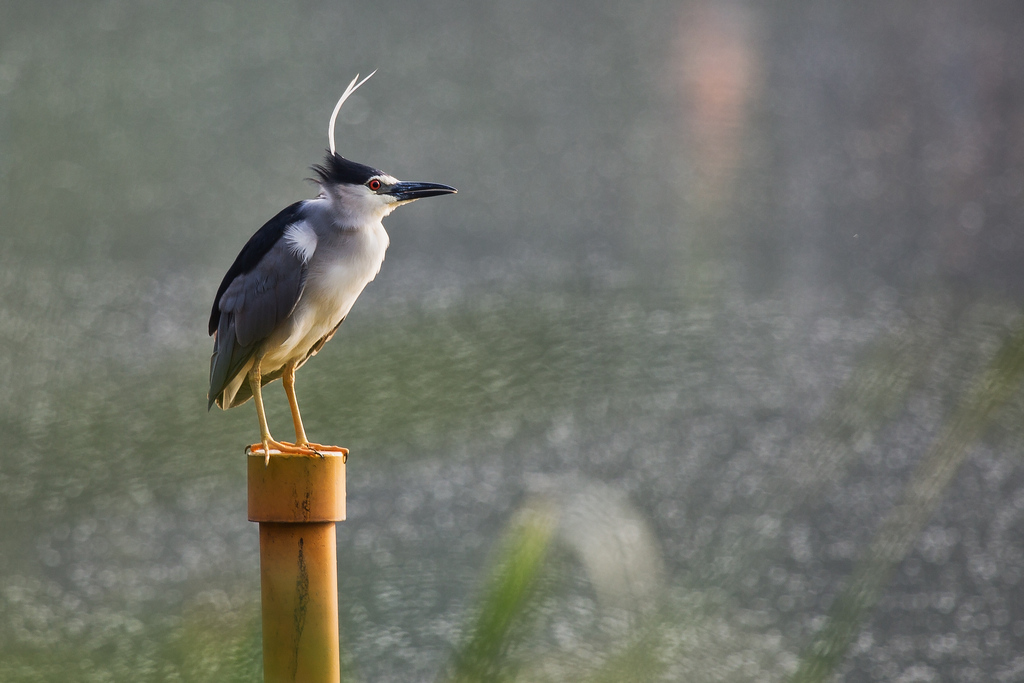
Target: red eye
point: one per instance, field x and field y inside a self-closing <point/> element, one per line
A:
<point x="374" y="185"/>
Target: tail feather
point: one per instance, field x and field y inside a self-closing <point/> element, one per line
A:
<point x="229" y="359"/>
<point x="227" y="400"/>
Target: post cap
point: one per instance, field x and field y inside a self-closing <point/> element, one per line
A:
<point x="297" y="488"/>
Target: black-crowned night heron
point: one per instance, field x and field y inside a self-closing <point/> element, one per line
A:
<point x="296" y="279"/>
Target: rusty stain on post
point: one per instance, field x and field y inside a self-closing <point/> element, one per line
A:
<point x="297" y="499"/>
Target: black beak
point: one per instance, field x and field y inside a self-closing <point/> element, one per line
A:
<point x="404" y="192"/>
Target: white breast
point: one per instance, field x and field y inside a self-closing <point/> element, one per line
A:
<point x="340" y="266"/>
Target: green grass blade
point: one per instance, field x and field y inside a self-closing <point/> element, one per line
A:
<point x="511" y="594"/>
<point x="903" y="524"/>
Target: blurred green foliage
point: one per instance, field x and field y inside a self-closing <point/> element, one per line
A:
<point x="502" y="617"/>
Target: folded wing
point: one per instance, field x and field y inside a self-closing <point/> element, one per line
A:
<point x="258" y="293"/>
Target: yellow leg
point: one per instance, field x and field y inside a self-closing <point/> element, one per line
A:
<point x="289" y="388"/>
<point x="288" y="379"/>
<point x="255" y="383"/>
<point x="266" y="441"/>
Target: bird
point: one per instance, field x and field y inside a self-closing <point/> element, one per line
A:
<point x="295" y="281"/>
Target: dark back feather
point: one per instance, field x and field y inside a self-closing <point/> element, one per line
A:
<point x="258" y="293"/>
<point x="254" y="250"/>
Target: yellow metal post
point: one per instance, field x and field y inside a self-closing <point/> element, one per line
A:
<point x="297" y="499"/>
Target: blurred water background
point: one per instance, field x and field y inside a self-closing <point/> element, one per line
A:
<point x="729" y="299"/>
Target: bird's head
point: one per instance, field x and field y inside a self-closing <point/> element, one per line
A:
<point x="361" y="193"/>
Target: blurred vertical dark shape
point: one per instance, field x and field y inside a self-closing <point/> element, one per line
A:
<point x="978" y="87"/>
<point x="899" y="153"/>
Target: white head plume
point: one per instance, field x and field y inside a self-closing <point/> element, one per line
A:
<point x="352" y="87"/>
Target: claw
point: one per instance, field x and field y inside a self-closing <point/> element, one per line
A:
<point x="285" y="448"/>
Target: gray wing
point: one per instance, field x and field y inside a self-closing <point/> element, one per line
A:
<point x="251" y="307"/>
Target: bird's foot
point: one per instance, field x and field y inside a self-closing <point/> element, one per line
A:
<point x="326" y="449"/>
<point x="322" y="450"/>
<point x="271" y="447"/>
